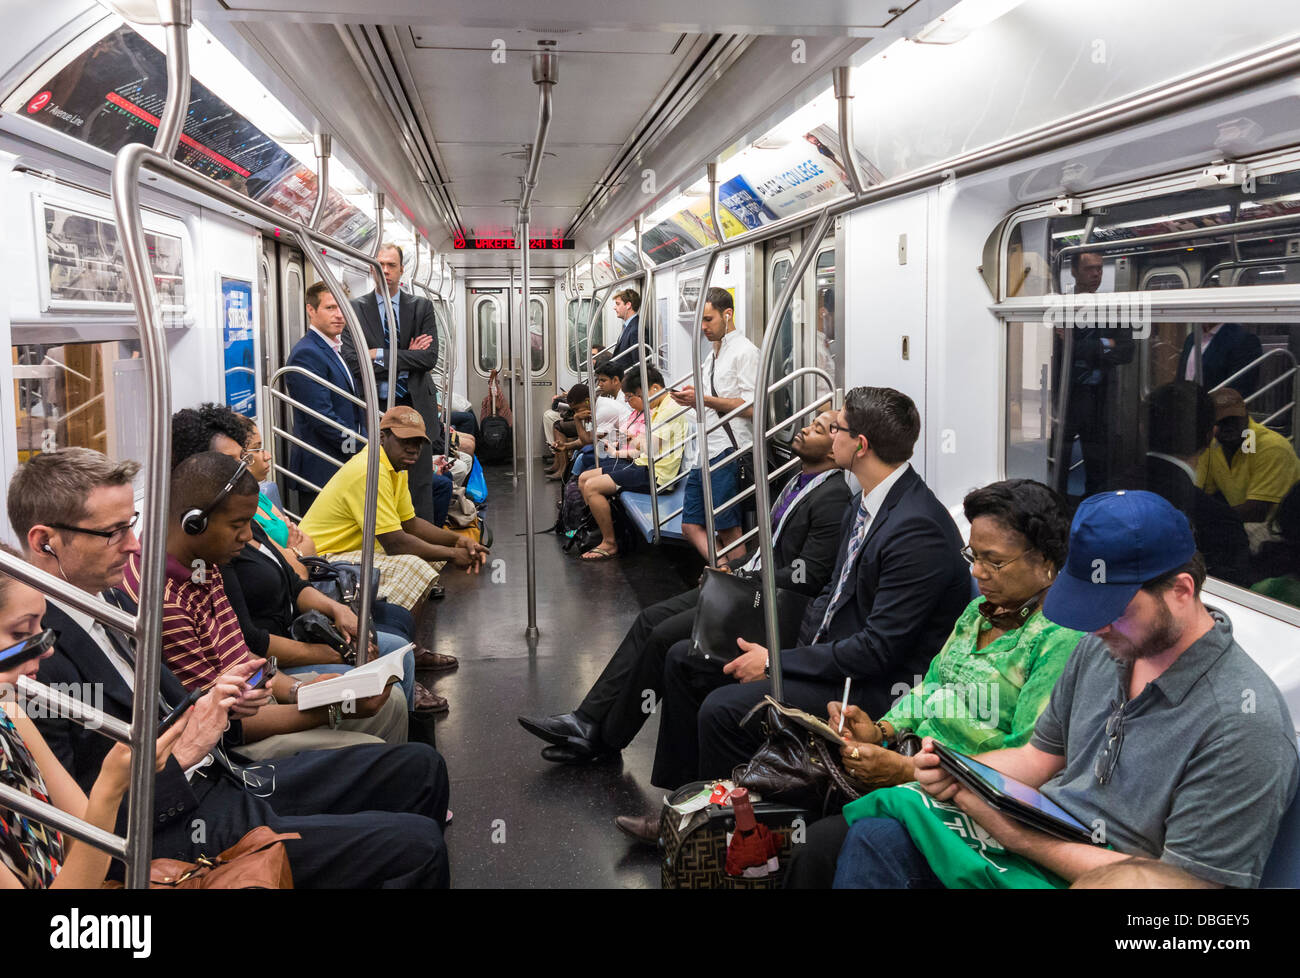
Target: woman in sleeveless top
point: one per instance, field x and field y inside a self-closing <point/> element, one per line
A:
<point x="32" y="855"/>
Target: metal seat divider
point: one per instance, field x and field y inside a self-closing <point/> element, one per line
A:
<point x="159" y="158"/>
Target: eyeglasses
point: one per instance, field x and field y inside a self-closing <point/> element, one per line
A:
<point x="972" y="558"/>
<point x="247" y="457"/>
<point x="114" y="536"/>
<point x="833" y="428"/>
<point x="1108" y="757"/>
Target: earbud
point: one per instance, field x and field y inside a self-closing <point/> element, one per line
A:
<point x="50" y="550"/>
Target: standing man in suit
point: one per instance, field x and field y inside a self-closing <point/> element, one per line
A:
<point x="369" y="816"/>
<point x="1225" y="349"/>
<point x="898" y="586"/>
<point x="806" y="520"/>
<point x="417" y="354"/>
<point x="627" y="307"/>
<point x="320" y="351"/>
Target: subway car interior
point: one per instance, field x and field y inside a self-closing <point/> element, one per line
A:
<point x="674" y="294"/>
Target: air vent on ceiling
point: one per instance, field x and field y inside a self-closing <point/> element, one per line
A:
<point x="525" y="153"/>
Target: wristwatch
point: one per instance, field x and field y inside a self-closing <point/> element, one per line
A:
<point x="333" y="716"/>
<point x="293" y="691"/>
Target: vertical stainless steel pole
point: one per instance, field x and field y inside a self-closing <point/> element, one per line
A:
<point x="530" y="548"/>
<point x="762" y="491"/>
<point x="510" y="369"/>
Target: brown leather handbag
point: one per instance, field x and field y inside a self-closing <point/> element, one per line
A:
<point x="794" y="766"/>
<point x="258" y="861"/>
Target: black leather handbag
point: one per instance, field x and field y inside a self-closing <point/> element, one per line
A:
<point x="731" y="607"/>
<point x="338" y="580"/>
<point x="794" y="766"/>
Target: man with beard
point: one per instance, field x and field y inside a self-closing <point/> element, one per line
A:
<point x="1162" y="736"/>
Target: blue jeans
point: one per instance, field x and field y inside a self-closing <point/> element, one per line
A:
<point x="388" y="642"/>
<point x="878" y="854"/>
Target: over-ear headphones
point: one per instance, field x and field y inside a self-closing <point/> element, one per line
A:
<point x="195" y="521"/>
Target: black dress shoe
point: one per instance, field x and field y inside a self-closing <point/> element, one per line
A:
<point x="567" y="730"/>
<point x="564" y="754"/>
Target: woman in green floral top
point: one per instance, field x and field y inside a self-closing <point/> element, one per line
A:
<point x="994" y="675"/>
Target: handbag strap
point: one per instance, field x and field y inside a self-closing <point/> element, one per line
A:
<point x="838" y="777"/>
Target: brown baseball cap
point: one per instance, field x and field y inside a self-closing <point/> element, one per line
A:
<point x="1228" y="403"/>
<point x="404" y="422"/>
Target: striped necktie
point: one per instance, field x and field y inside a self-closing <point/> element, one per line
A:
<point x="385" y="308"/>
<point x="850" y="559"/>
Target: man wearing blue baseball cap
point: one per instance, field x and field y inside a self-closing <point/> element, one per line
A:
<point x="1162" y="737"/>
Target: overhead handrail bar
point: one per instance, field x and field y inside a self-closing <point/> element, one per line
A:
<point x="1246" y="263"/>
<point x="762" y="493"/>
<point x="545" y="76"/>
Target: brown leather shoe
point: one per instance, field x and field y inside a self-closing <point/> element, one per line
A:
<point x="429" y="702"/>
<point x="643" y="828"/>
<point x="436" y="661"/>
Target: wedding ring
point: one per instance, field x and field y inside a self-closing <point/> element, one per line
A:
<point x="854" y="755"/>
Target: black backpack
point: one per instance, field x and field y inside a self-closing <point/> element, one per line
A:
<point x="495" y="440"/>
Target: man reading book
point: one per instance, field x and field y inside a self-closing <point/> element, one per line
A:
<point x="1162" y="735"/>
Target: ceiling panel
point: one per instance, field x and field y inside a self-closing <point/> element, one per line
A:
<point x="481" y="172"/>
<point x="499" y="219"/>
<point x="596" y="93"/>
<point x="521" y="40"/>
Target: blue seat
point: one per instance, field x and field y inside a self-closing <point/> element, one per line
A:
<point x="637" y="507"/>
<point x="1282" y="869"/>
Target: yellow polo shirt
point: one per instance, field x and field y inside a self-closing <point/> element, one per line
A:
<point x="1267" y="473"/>
<point x="666" y="436"/>
<point x="335" y="519"/>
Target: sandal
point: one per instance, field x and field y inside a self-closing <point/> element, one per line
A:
<point x="600" y="555"/>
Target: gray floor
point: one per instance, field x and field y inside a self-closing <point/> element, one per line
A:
<point x="519" y="820"/>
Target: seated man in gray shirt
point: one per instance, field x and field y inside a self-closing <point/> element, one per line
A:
<point x="1162" y="736"/>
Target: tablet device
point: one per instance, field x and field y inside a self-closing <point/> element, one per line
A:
<point x="1012" y="797"/>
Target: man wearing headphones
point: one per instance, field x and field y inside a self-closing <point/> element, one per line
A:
<point x="213" y="500"/>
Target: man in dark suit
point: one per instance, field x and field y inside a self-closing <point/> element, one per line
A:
<point x="627" y="307"/>
<point x="1229" y="347"/>
<point x="1180" y="426"/>
<point x="898" y="586"/>
<point x="73" y="511"/>
<point x="417" y="355"/>
<point x="806" y="518"/>
<point x="320" y="351"/>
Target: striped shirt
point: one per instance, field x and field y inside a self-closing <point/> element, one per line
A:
<point x="201" y="638"/>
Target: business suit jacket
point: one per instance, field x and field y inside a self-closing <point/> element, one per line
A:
<point x="908" y="589"/>
<point x="1220" y="534"/>
<point x="1229" y="350"/>
<point x="811" y="536"/>
<point x="313" y="353"/>
<point x="624" y="354"/>
<point x="415" y="318"/>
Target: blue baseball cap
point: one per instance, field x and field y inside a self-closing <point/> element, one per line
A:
<point x="1118" y="542"/>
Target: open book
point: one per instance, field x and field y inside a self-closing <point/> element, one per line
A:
<point x="357" y="684"/>
<point x="807" y="721"/>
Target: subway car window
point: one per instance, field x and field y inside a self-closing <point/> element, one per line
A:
<point x="487" y="333"/>
<point x="537" y="334"/>
<point x="1141" y="400"/>
<point x="829" y="340"/>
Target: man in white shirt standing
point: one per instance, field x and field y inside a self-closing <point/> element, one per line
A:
<point x="320" y="352"/>
<point x="729" y="378"/>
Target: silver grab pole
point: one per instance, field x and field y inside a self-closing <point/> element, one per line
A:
<point x="510" y="369"/>
<point x="841" y="79"/>
<point x="697" y="373"/>
<point x="762" y="491"/>
<point x="545" y="76"/>
<point x="324" y="144"/>
<point x="642" y="332"/>
<point x="591" y="374"/>
<point x="369" y="391"/>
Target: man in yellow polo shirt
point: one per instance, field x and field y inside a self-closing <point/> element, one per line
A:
<point x="335" y="519"/>
<point x="1251" y="466"/>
